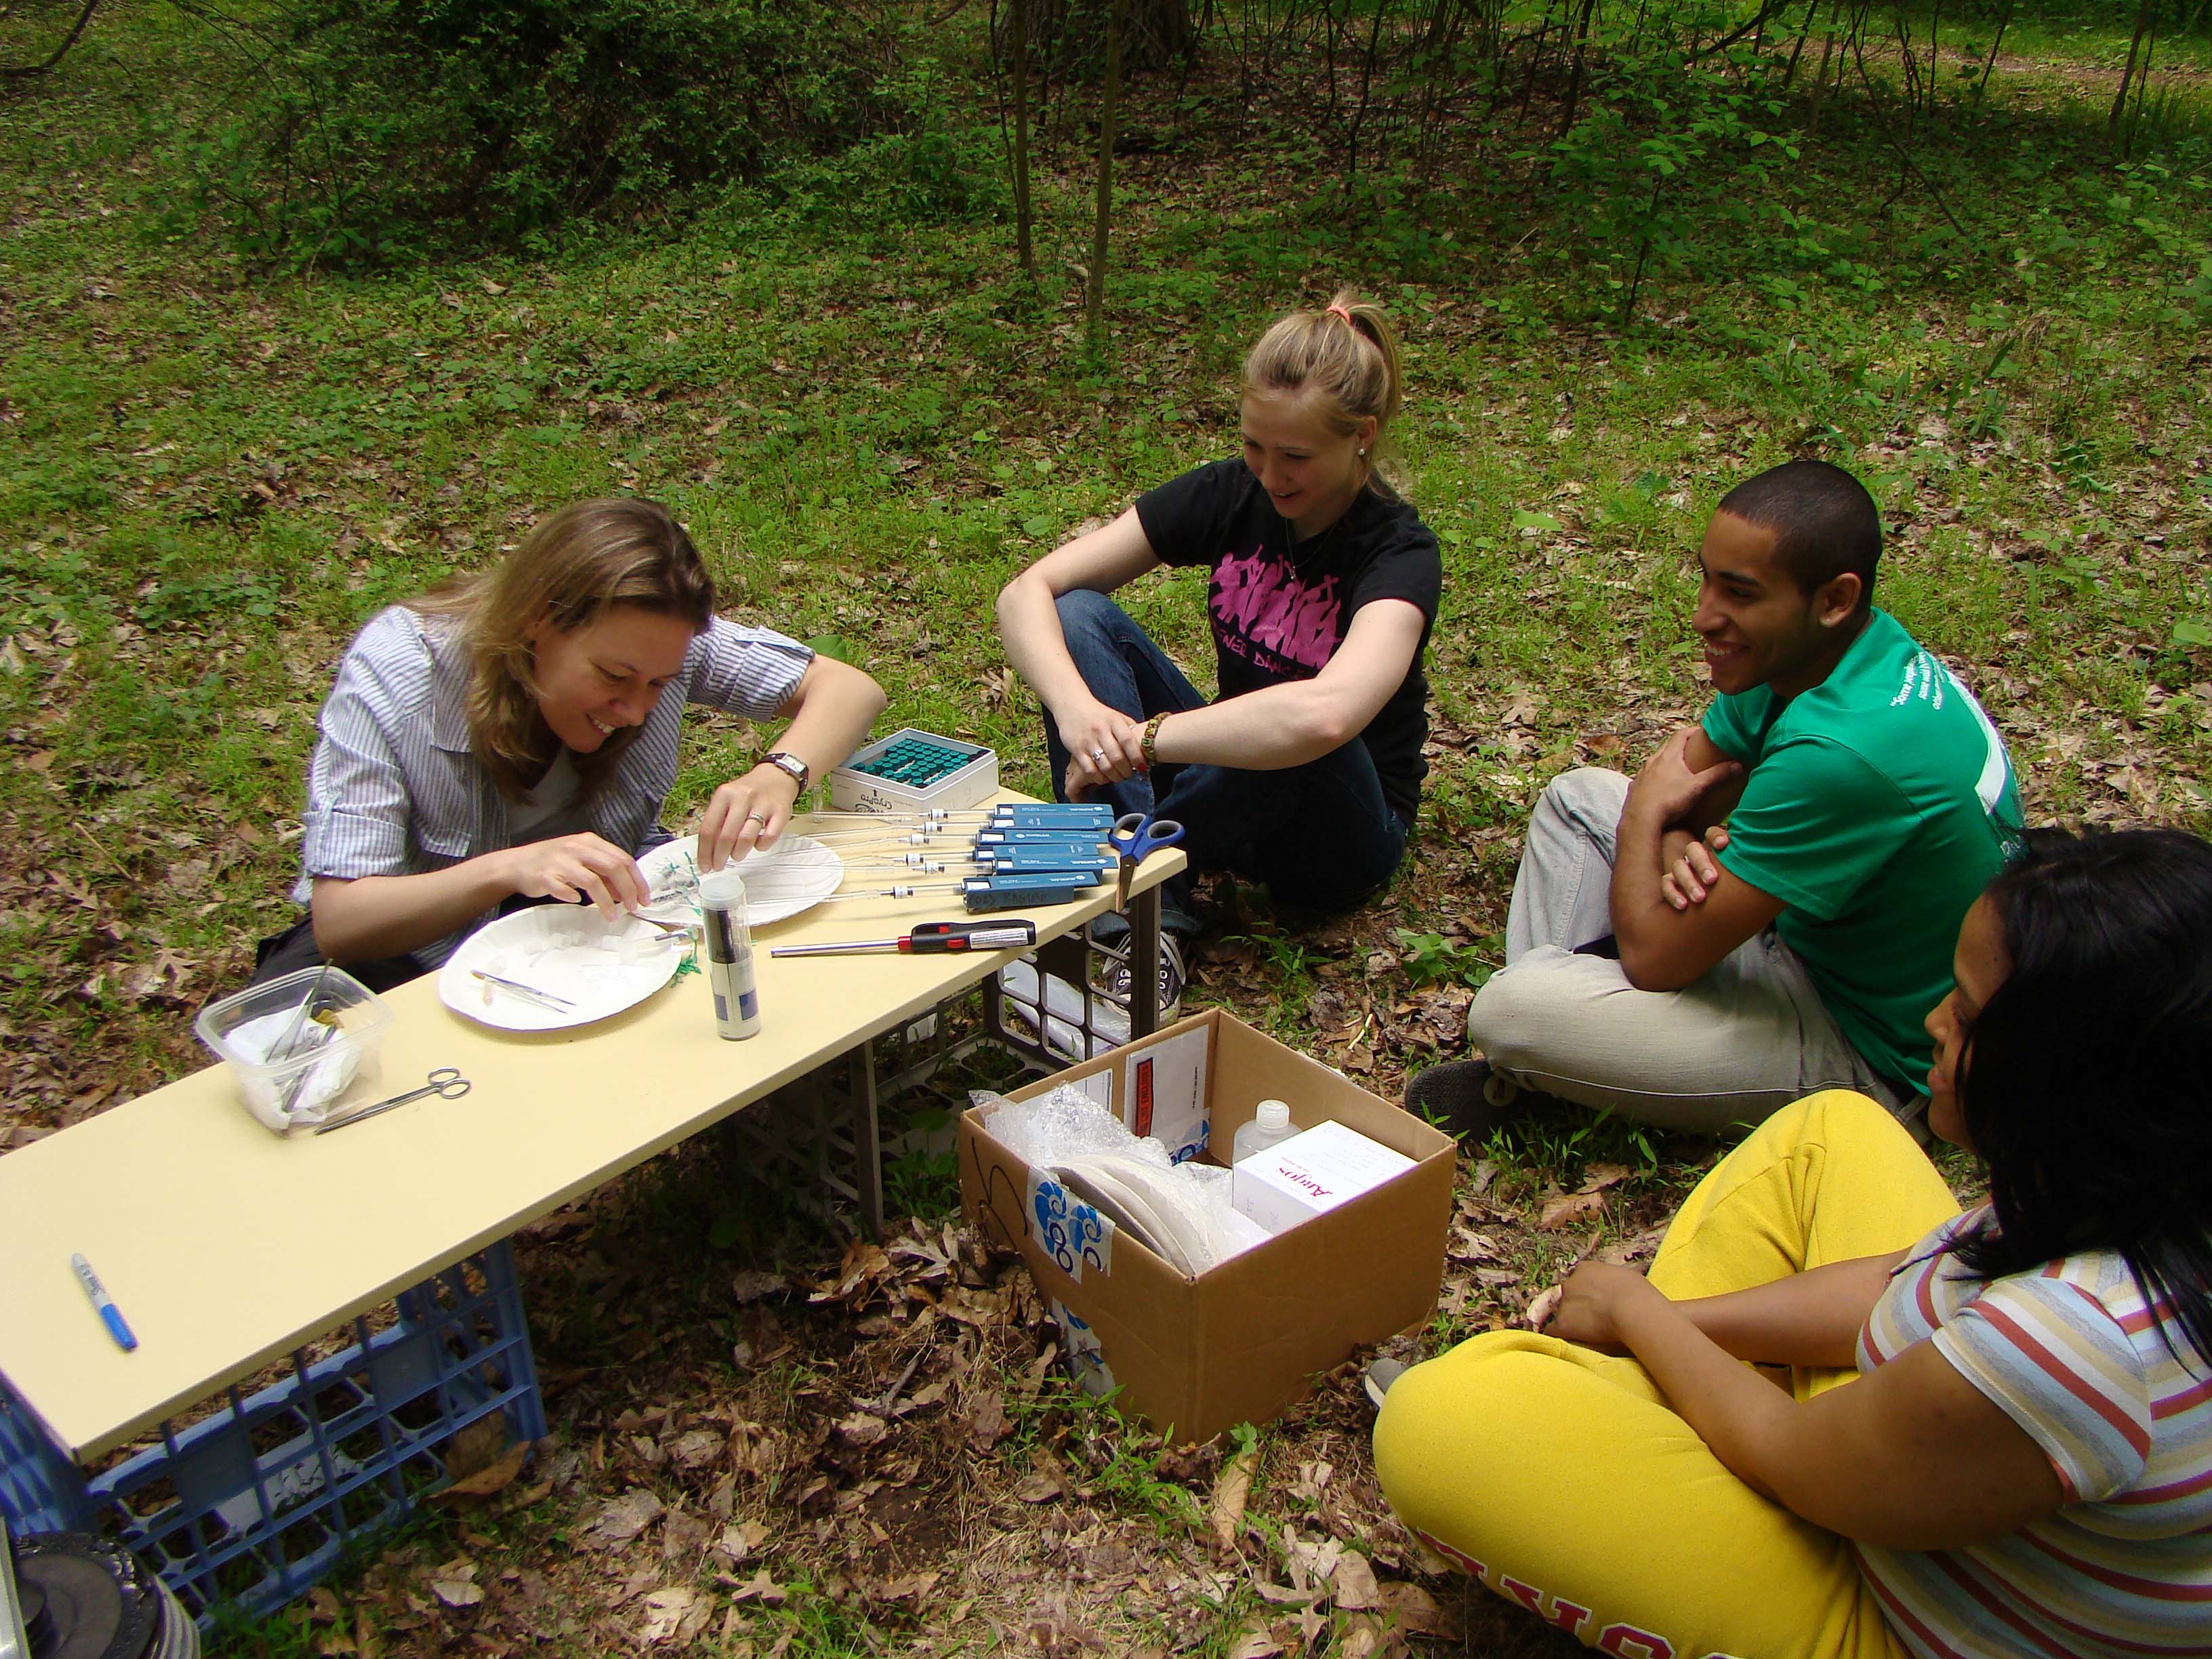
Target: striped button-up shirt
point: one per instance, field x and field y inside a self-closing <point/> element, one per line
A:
<point x="394" y="788"/>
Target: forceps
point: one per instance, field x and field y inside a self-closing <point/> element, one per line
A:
<point x="445" y="1082"/>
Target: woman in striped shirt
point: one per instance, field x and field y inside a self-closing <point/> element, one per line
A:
<point x="511" y="737"/>
<point x="2021" y="1462"/>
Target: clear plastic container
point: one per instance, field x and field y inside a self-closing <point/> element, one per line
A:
<point x="244" y="1027"/>
<point x="1271" y="1124"/>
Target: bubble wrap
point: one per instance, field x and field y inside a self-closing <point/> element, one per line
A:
<point x="1065" y="1126"/>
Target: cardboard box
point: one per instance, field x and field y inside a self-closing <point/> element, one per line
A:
<point x="1194" y="1356"/>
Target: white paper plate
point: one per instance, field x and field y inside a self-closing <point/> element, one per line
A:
<point x="795" y="874"/>
<point x="1189" y="1246"/>
<point x="567" y="951"/>
<point x="1111" y="1200"/>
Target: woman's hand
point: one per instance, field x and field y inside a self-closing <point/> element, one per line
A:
<point x="744" y="813"/>
<point x="1104" y="746"/>
<point x="1591" y="1302"/>
<point x="577" y="867"/>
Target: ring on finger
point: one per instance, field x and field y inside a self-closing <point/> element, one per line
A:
<point x="1098" y="755"/>
<point x="755" y="817"/>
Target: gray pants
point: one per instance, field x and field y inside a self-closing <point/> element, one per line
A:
<point x="1740" y="1043"/>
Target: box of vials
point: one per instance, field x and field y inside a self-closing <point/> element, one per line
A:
<point x="910" y="771"/>
<point x="1311" y="1174"/>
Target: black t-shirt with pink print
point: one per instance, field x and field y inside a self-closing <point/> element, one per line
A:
<point x="1280" y="611"/>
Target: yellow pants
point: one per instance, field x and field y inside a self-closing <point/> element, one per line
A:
<point x="1559" y="1476"/>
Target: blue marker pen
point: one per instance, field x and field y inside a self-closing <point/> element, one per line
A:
<point x="110" y="1315"/>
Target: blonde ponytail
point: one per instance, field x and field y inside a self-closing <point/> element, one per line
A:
<point x="1347" y="353"/>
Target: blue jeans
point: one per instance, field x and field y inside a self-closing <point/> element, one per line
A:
<point x="1320" y="836"/>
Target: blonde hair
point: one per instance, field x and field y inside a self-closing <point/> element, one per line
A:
<point x="1347" y="353"/>
<point x="570" y="571"/>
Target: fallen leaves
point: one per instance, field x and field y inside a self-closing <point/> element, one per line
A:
<point x="1352" y="1584"/>
<point x="988" y="1423"/>
<point x="1041" y="1485"/>
<point x="621" y="1519"/>
<point x="677" y="1614"/>
<point x="1569" y="1209"/>
<point x="762" y="1589"/>
<point x="472" y="1489"/>
<point x="1232" y="1492"/>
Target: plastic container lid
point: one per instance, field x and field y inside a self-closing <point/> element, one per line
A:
<point x="1273" y="1115"/>
<point x="724" y="889"/>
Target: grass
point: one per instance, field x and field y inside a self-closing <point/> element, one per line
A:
<point x="212" y="477"/>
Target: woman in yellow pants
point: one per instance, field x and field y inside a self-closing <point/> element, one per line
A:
<point x="2019" y="1462"/>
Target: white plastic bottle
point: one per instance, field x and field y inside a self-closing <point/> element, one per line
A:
<point x="1271" y="1123"/>
<point x="729" y="954"/>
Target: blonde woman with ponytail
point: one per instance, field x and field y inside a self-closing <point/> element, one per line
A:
<point x="1305" y="772"/>
<point x="511" y="737"/>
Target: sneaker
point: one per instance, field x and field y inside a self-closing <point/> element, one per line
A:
<point x="1380" y="1374"/>
<point x="1464" y="1097"/>
<point x="1112" y="927"/>
<point x="1114" y="978"/>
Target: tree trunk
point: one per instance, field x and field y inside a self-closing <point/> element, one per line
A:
<point x="15" y="72"/>
<point x="1989" y="61"/>
<point x="1798" y="50"/>
<point x="1023" y="251"/>
<point x="2127" y="75"/>
<point x="1575" y="74"/>
<point x="1094" y="302"/>
<point x="1154" y="32"/>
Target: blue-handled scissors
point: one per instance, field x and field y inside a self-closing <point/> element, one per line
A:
<point x="445" y="1082"/>
<point x="1136" y="836"/>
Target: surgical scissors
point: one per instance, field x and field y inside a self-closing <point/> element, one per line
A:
<point x="445" y="1082"/>
<point x="1136" y="836"/>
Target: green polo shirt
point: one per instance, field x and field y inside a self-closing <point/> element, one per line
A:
<point x="1879" y="805"/>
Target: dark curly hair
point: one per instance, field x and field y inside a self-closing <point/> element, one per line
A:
<point x="2088" y="1088"/>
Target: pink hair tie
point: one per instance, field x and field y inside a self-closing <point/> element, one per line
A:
<point x="1339" y="310"/>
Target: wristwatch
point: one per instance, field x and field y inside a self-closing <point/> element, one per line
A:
<point x="799" y="770"/>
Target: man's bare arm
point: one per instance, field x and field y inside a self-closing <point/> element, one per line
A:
<point x="1664" y="948"/>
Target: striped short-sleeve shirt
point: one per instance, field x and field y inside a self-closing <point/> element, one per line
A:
<point x="2072" y="1353"/>
<point x="394" y="788"/>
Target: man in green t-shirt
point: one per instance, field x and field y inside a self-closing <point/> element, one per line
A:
<point x="1769" y="908"/>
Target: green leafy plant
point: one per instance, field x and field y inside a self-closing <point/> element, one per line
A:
<point x="1430" y="957"/>
<point x="376" y="128"/>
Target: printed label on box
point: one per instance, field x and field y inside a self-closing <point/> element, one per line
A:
<point x="1163" y="1093"/>
<point x="1067" y="1228"/>
<point x="1311" y="1174"/>
<point x="1083" y="1357"/>
<point x="1097" y="1088"/>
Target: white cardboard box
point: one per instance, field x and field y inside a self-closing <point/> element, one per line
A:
<point x="1311" y="1174"/>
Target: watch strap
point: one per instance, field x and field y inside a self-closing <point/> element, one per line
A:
<point x="784" y="761"/>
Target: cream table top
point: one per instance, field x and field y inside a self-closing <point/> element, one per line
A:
<point x="225" y="1246"/>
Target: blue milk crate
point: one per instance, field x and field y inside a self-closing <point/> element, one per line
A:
<point x="254" y="1502"/>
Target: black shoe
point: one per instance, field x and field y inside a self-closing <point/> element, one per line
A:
<point x="1379" y="1375"/>
<point x="1465" y="1098"/>
<point x="1113" y="979"/>
<point x="1111" y="927"/>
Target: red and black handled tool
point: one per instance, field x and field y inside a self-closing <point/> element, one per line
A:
<point x="929" y="939"/>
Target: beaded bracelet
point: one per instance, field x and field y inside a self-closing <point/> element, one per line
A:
<point x="1149" y="747"/>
